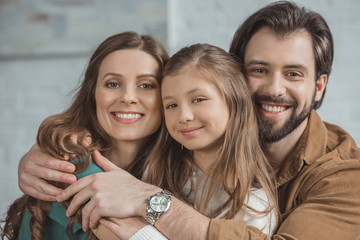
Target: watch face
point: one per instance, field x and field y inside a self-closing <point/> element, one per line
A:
<point x="159" y="203"/>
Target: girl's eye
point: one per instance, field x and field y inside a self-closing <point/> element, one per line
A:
<point x="146" y="85"/>
<point x="112" y="85"/>
<point x="170" y="106"/>
<point x="196" y="100"/>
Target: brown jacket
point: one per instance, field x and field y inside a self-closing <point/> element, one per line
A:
<point x="319" y="190"/>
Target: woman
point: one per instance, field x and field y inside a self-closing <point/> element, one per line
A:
<point x="119" y="104"/>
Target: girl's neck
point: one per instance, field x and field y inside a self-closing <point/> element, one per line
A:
<point x="203" y="159"/>
<point x="123" y="153"/>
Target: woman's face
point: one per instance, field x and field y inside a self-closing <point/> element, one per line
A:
<point x="128" y="103"/>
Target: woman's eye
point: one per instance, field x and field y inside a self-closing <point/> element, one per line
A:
<point x="170" y="106"/>
<point x="196" y="100"/>
<point x="112" y="85"/>
<point x="146" y="85"/>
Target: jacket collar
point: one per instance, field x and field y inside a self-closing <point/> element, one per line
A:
<point x="311" y="146"/>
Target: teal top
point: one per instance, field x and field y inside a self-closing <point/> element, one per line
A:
<point x="57" y="220"/>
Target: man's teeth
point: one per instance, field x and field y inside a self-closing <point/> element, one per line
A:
<point x="128" y="115"/>
<point x="273" y="109"/>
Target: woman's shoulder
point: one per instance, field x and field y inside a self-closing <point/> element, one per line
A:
<point x="91" y="169"/>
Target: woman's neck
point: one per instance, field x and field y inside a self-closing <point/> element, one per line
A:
<point x="123" y="153"/>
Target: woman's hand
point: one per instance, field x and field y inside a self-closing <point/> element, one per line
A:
<point x="36" y="166"/>
<point x="114" y="193"/>
<point x="124" y="228"/>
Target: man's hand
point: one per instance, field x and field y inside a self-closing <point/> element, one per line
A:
<point x="124" y="228"/>
<point x="36" y="166"/>
<point x="115" y="193"/>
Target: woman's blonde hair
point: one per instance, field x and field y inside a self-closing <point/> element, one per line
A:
<point x="55" y="131"/>
<point x="240" y="162"/>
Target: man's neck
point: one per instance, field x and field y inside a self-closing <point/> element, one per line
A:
<point x="278" y="151"/>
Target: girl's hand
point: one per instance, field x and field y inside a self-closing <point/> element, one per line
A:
<point x="124" y="228"/>
<point x="36" y="166"/>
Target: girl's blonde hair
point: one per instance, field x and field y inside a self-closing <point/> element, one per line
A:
<point x="55" y="131"/>
<point x="240" y="162"/>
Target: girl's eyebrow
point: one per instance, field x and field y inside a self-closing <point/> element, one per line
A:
<point x="187" y="93"/>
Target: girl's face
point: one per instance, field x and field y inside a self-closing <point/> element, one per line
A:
<point x="196" y="114"/>
<point x="128" y="104"/>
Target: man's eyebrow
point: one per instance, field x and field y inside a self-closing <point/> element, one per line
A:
<point x="257" y="62"/>
<point x="298" y="66"/>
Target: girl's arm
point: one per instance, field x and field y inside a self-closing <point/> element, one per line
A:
<point x="133" y="228"/>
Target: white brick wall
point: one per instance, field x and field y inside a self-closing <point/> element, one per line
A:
<point x="33" y="89"/>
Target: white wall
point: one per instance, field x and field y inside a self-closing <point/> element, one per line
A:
<point x="33" y="89"/>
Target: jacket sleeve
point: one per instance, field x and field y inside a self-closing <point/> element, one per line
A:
<point x="327" y="207"/>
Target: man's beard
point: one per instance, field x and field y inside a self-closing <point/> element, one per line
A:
<point x="268" y="133"/>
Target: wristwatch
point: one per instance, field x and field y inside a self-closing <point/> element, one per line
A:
<point x="158" y="204"/>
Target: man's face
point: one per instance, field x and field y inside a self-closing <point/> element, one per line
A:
<point x="281" y="77"/>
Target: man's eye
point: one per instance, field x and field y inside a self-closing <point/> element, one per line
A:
<point x="259" y="70"/>
<point x="293" y="74"/>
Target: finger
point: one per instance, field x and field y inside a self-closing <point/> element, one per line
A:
<point x="86" y="141"/>
<point x="94" y="217"/>
<point x="52" y="175"/>
<point x="103" y="162"/>
<point x="74" y="138"/>
<point x="46" y="188"/>
<point x="74" y="188"/>
<point x="38" y="195"/>
<point x="59" y="165"/>
<point x="86" y="211"/>
<point x="79" y="199"/>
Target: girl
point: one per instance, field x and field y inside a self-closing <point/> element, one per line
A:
<point x="119" y="104"/>
<point x="211" y="154"/>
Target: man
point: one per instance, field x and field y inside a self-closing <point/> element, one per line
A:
<point x="287" y="53"/>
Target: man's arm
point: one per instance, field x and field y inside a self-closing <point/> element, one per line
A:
<point x="182" y="222"/>
<point x="328" y="208"/>
<point x="36" y="167"/>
